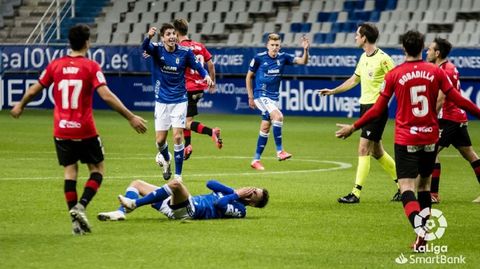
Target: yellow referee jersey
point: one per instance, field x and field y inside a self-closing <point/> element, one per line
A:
<point x="371" y="70"/>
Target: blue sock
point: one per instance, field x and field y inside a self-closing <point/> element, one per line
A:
<point x="261" y="142"/>
<point x="164" y="151"/>
<point x="131" y="193"/>
<point x="157" y="195"/>
<point x="277" y="134"/>
<point x="178" y="156"/>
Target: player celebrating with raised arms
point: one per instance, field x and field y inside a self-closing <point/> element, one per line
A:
<point x="175" y="202"/>
<point x="267" y="67"/>
<point x="170" y="62"/>
<point x="74" y="79"/>
<point x="416" y="85"/>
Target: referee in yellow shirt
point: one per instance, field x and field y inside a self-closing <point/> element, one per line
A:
<point x="370" y="72"/>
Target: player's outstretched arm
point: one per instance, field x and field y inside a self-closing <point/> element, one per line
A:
<point x="345" y="86"/>
<point x="219" y="187"/>
<point x="137" y="122"/>
<point x="147" y="45"/>
<point x="32" y="91"/>
<point x="345" y="130"/>
<point x="306" y="47"/>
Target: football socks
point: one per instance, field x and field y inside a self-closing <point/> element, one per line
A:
<point x="277" y="134"/>
<point x="70" y="190"/>
<point x="388" y="164"/>
<point x="437" y="169"/>
<point x="198" y="127"/>
<point x="131" y="193"/>
<point x="410" y="206"/>
<point x="261" y="143"/>
<point x="157" y="195"/>
<point x="363" y="168"/>
<point x="178" y="156"/>
<point x="91" y="187"/>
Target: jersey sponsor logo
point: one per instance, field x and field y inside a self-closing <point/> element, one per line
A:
<point x="421" y="129"/>
<point x="70" y="70"/>
<point x="273" y="71"/>
<point x="69" y="124"/>
<point x="415" y="74"/>
<point x="169" y="68"/>
<point x="232" y="211"/>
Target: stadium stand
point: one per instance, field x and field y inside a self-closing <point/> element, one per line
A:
<point x="240" y="22"/>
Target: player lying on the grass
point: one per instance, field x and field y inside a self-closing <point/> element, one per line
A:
<point x="175" y="202"/>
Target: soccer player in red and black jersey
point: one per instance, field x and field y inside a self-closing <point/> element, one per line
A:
<point x="452" y="120"/>
<point x="416" y="85"/>
<point x="75" y="78"/>
<point x="196" y="85"/>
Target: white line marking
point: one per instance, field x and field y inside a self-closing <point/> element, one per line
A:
<point x="337" y="166"/>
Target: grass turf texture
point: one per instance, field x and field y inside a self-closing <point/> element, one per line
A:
<point x="302" y="227"/>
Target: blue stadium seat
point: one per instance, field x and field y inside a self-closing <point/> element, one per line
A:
<point x="296" y="27"/>
<point x="319" y="38"/>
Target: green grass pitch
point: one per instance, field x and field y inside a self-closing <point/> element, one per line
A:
<point x="302" y="227"/>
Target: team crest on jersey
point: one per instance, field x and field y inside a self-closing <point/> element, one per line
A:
<point x="177" y="61"/>
<point x="278" y="62"/>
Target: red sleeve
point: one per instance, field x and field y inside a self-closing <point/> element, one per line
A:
<point x="463" y="103"/>
<point x="206" y="54"/>
<point x="98" y="77"/>
<point x="46" y="78"/>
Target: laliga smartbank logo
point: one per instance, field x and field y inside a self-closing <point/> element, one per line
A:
<point x="434" y="228"/>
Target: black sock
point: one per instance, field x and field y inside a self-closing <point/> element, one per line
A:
<point x="476" y="168"/>
<point x="91" y="188"/>
<point x="198" y="127"/>
<point x="70" y="191"/>
<point x="411" y="207"/>
<point x="437" y="168"/>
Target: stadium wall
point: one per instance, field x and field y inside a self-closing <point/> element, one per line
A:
<point x="128" y="75"/>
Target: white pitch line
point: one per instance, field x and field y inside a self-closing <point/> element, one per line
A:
<point x="338" y="166"/>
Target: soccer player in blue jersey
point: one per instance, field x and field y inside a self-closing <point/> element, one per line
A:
<point x="170" y="61"/>
<point x="175" y="202"/>
<point x="267" y="67"/>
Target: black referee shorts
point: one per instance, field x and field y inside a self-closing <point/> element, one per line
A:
<point x="374" y="130"/>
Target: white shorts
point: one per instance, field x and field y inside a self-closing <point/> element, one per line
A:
<point x="185" y="212"/>
<point x="170" y="115"/>
<point x="266" y="104"/>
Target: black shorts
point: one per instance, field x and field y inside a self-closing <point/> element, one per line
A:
<point x="193" y="98"/>
<point x="412" y="161"/>
<point x="88" y="150"/>
<point x="453" y="133"/>
<point x="374" y="130"/>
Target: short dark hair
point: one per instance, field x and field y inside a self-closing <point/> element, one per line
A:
<point x="264" y="201"/>
<point x="78" y="35"/>
<point x="443" y="46"/>
<point x="413" y="42"/>
<point x="165" y="27"/>
<point x="370" y="31"/>
<point x="181" y="26"/>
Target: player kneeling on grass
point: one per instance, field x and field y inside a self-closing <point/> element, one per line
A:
<point x="175" y="202"/>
